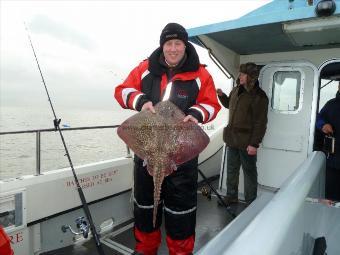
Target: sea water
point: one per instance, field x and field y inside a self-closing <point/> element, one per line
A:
<point x="18" y="151"/>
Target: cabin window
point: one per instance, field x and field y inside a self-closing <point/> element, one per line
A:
<point x="11" y="215"/>
<point x="286" y="91"/>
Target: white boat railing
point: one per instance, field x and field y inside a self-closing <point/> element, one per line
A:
<point x="38" y="139"/>
<point x="268" y="232"/>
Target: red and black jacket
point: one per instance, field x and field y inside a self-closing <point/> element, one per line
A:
<point x="191" y="87"/>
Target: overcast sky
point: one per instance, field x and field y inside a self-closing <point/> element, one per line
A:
<point x="85" y="48"/>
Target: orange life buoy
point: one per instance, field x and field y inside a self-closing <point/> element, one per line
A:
<point x="5" y="244"/>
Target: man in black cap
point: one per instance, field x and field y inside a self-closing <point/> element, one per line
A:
<point x="172" y="72"/>
<point x="328" y="122"/>
<point x="248" y="108"/>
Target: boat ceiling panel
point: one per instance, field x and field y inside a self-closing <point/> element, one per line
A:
<point x="262" y="31"/>
<point x="257" y="39"/>
<point x="271" y="38"/>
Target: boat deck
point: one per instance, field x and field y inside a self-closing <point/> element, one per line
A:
<point x="211" y="219"/>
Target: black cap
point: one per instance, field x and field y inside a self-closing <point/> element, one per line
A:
<point x="173" y="31"/>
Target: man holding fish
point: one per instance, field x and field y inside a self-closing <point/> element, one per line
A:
<point x="172" y="72"/>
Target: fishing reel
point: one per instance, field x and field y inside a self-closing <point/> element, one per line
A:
<point x="81" y="224"/>
<point x="206" y="192"/>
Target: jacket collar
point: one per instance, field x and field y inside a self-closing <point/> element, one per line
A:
<point x="190" y="64"/>
<point x="250" y="88"/>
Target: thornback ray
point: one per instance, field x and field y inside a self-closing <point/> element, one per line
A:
<point x="163" y="141"/>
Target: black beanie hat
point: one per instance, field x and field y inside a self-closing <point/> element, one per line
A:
<point x="173" y="31"/>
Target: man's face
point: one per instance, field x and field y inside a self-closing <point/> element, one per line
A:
<point x="243" y="78"/>
<point x="173" y="51"/>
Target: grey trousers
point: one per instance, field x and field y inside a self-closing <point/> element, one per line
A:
<point x="236" y="158"/>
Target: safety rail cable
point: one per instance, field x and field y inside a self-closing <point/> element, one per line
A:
<point x="38" y="139"/>
<point x="266" y="232"/>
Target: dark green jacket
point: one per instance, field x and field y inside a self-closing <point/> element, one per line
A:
<point x="247" y="116"/>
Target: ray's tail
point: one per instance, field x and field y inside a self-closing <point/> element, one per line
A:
<point x="158" y="178"/>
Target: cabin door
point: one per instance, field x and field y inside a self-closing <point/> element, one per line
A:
<point x="289" y="136"/>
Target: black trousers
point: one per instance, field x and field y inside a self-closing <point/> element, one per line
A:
<point x="333" y="183"/>
<point x="179" y="195"/>
<point x="236" y="158"/>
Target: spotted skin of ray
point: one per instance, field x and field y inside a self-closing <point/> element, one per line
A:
<point x="163" y="141"/>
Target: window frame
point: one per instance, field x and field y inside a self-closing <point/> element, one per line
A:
<point x="302" y="85"/>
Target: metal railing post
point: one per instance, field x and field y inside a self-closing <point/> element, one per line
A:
<point x="38" y="161"/>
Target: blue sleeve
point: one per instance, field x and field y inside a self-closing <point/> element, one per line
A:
<point x="321" y="118"/>
<point x="319" y="123"/>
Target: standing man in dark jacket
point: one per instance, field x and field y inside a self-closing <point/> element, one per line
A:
<point x="328" y="121"/>
<point x="248" y="108"/>
<point x="172" y="72"/>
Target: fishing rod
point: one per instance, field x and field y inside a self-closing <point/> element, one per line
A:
<point x="56" y="123"/>
<point x="233" y="215"/>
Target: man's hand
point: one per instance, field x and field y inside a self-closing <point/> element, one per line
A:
<point x="327" y="129"/>
<point x="219" y="92"/>
<point x="190" y="118"/>
<point x="148" y="107"/>
<point x="251" y="150"/>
